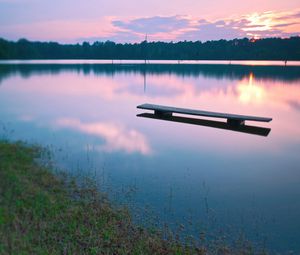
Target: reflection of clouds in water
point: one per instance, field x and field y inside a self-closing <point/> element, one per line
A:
<point x="104" y="99"/>
<point x="116" y="137"/>
<point x="295" y="105"/>
<point x="168" y="86"/>
<point x="26" y="118"/>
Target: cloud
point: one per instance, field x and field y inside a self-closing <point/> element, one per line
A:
<point x="267" y="24"/>
<point x="213" y="31"/>
<point x="116" y="137"/>
<point x="158" y="28"/>
<point x="285" y="24"/>
<point x="288" y="16"/>
<point x="176" y="28"/>
<point x="153" y="25"/>
<point x="295" y="16"/>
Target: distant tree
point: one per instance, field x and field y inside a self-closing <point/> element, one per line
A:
<point x="237" y="49"/>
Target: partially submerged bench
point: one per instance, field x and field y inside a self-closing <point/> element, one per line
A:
<point x="232" y="119"/>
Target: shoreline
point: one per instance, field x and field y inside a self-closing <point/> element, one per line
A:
<point x="280" y="63"/>
<point x="46" y="213"/>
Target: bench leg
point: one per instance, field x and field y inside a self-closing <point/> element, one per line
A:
<point x="235" y="122"/>
<point x="163" y="113"/>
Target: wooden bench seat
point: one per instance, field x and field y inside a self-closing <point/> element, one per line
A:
<point x="232" y="119"/>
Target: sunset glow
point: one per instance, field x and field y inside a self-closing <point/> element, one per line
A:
<point x="279" y="24"/>
<point x="150" y="127"/>
<point x="250" y="93"/>
<point x="81" y="22"/>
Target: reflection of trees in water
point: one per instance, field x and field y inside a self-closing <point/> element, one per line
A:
<point x="232" y="72"/>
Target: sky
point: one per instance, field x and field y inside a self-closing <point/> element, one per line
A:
<point x="73" y="21"/>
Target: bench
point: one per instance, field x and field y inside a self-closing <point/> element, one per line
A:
<point x="232" y="119"/>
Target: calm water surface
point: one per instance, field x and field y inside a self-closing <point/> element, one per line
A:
<point x="220" y="182"/>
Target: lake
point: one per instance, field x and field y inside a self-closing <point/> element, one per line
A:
<point x="226" y="184"/>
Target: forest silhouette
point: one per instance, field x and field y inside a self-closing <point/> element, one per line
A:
<point x="237" y="49"/>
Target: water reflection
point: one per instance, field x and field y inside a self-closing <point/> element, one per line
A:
<point x="102" y="98"/>
<point x="75" y="107"/>
<point x="250" y="92"/>
<point x="254" y="130"/>
<point x="234" y="72"/>
<point x="116" y="137"/>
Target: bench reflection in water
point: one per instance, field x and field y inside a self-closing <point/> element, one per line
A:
<point x="234" y="122"/>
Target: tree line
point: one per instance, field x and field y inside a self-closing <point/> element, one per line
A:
<point x="236" y="49"/>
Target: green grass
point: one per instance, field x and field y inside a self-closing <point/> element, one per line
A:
<point x="42" y="213"/>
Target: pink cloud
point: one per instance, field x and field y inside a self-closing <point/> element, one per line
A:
<point x="159" y="28"/>
<point x="116" y="137"/>
<point x="266" y="24"/>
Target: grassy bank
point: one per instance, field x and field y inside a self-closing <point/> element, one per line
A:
<point x="42" y="213"/>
